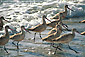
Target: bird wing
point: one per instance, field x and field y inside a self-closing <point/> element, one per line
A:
<point x="49" y="37"/>
<point x="55" y="16"/>
<point x="15" y="35"/>
<point x="62" y="37"/>
<point x="32" y="29"/>
<point x="52" y="31"/>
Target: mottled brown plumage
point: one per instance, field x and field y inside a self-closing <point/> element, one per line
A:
<point x="19" y="36"/>
<point x="5" y="38"/>
<point x="65" y="38"/>
<point x="54" y="23"/>
<point x="63" y="12"/>
<point x="53" y="34"/>
<point x="54" y="29"/>
<point x="39" y="28"/>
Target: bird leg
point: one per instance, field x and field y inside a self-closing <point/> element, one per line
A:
<point x="18" y="45"/>
<point x="40" y="35"/>
<point x="55" y="51"/>
<point x="57" y="47"/>
<point x="34" y="37"/>
<point x="52" y="44"/>
<point x="14" y="43"/>
<point x="72" y="49"/>
<point x="5" y="49"/>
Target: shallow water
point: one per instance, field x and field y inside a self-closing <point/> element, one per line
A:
<point x="26" y="14"/>
<point x="42" y="49"/>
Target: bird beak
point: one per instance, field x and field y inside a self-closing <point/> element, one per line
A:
<point x="70" y="9"/>
<point x="27" y="30"/>
<point x="6" y="20"/>
<point x="12" y="29"/>
<point x="65" y="26"/>
<point x="78" y="32"/>
<point x="48" y="19"/>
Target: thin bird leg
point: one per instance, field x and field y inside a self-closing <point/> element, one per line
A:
<point x="5" y="49"/>
<point x="57" y="47"/>
<point x="72" y="49"/>
<point x="55" y="51"/>
<point x="40" y="35"/>
<point x="34" y="37"/>
<point x="18" y="45"/>
<point x="14" y="43"/>
<point x="52" y="44"/>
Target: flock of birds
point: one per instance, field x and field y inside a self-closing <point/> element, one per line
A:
<point x="54" y="35"/>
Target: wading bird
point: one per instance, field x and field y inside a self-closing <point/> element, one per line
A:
<point x="63" y="12"/>
<point x="54" y="33"/>
<point x="18" y="37"/>
<point x="55" y="29"/>
<point x="66" y="38"/>
<point x="39" y="28"/>
<point x="5" y="38"/>
<point x="54" y="23"/>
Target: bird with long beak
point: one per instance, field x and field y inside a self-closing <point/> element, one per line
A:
<point x="54" y="33"/>
<point x="55" y="29"/>
<point x="66" y="38"/>
<point x="39" y="28"/>
<point x="54" y="23"/>
<point x="18" y="37"/>
<point x="63" y="12"/>
<point x="5" y="38"/>
<point x="1" y="22"/>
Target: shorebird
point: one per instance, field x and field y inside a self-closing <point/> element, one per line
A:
<point x="63" y="12"/>
<point x="5" y="38"/>
<point x="56" y="33"/>
<point x="1" y="22"/>
<point x="55" y="29"/>
<point x="54" y="23"/>
<point x="66" y="38"/>
<point x="83" y="33"/>
<point x="39" y="28"/>
<point x="18" y="37"/>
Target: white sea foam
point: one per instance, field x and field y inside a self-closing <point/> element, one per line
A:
<point x="30" y="15"/>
